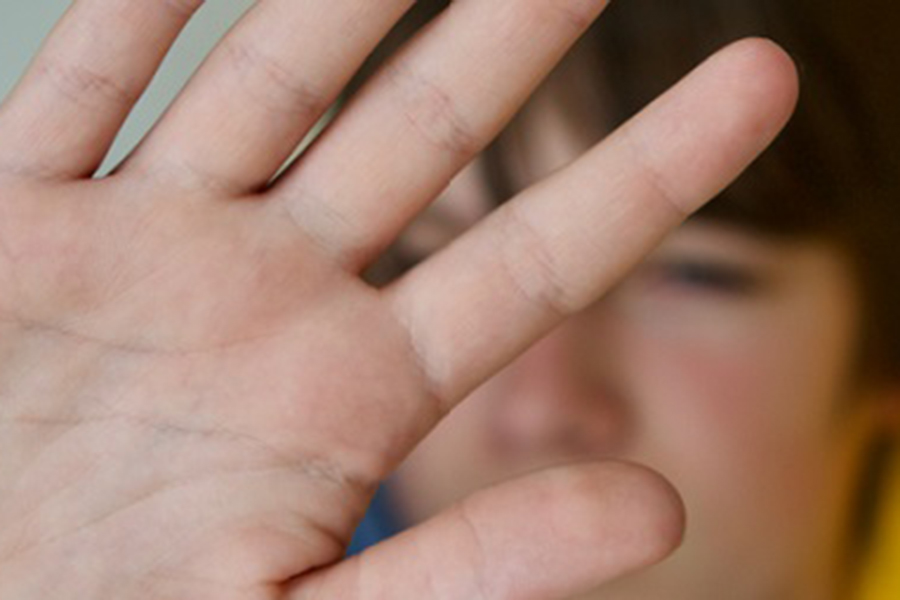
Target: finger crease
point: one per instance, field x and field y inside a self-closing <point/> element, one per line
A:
<point x="532" y="268"/>
<point x="87" y="87"/>
<point x="432" y="113"/>
<point x="660" y="185"/>
<point x="291" y="96"/>
<point x="434" y="394"/>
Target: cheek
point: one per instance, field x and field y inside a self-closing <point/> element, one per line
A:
<point x="722" y="409"/>
<point x="764" y="389"/>
<point x="743" y="423"/>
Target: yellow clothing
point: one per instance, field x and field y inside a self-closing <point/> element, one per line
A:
<point x="881" y="579"/>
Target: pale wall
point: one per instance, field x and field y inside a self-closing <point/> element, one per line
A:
<point x="24" y="23"/>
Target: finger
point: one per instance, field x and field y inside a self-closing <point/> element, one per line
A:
<point x="561" y="244"/>
<point x="264" y="87"/>
<point x="63" y="117"/>
<point x="550" y="535"/>
<point x="423" y="117"/>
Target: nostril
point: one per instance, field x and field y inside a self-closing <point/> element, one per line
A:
<point x="607" y="423"/>
<point x="564" y="421"/>
<point x="553" y="400"/>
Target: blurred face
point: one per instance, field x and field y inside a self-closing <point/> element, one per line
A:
<point x="725" y="362"/>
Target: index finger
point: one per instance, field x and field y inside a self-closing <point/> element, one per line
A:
<point x="556" y="248"/>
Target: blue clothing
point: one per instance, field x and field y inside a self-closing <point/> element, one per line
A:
<point x="381" y="522"/>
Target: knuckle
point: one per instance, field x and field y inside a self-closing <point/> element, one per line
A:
<point x="86" y="86"/>
<point x="274" y="84"/>
<point x="661" y="189"/>
<point x="531" y="267"/>
<point x="432" y="113"/>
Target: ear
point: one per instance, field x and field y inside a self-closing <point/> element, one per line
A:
<point x="885" y="400"/>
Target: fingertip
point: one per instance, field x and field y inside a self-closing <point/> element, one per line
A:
<point x="771" y="76"/>
<point x="649" y="515"/>
<point x="718" y="119"/>
<point x="553" y="534"/>
<point x="657" y="512"/>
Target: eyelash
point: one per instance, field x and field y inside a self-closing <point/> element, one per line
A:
<point x="695" y="275"/>
<point x="710" y="277"/>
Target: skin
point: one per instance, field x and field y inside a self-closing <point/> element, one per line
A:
<point x="726" y="361"/>
<point x="198" y="393"/>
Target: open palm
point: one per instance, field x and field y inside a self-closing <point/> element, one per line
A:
<point x="198" y="394"/>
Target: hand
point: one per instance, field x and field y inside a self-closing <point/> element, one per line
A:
<point x="198" y="394"/>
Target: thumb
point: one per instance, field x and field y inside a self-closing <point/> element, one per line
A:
<point x="550" y="535"/>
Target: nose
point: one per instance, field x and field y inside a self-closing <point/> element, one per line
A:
<point x="560" y="399"/>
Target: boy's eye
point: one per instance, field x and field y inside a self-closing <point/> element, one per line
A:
<point x="706" y="276"/>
